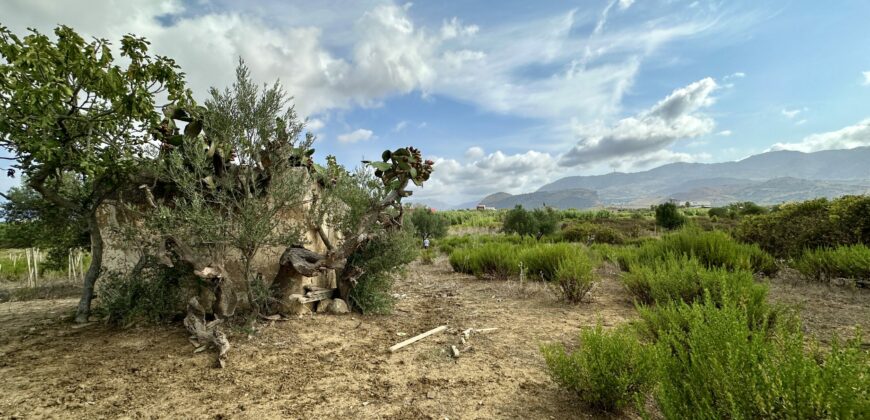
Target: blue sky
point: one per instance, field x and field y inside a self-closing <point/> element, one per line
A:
<point x="509" y="95"/>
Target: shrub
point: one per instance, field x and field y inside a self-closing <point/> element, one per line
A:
<point x="851" y="262"/>
<point x="498" y="260"/>
<point x="608" y="371"/>
<point x="684" y="279"/>
<point x="812" y="224"/>
<point x="151" y="294"/>
<point x="713" y="249"/>
<point x="378" y="259"/>
<point x="542" y="261"/>
<point x="427" y="256"/>
<point x="668" y="216"/>
<point x="715" y="365"/>
<point x="519" y="221"/>
<point x="574" y="277"/>
<point x="592" y="233"/>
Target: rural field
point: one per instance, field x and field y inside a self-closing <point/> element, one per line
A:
<point x="319" y="364"/>
<point x="654" y="209"/>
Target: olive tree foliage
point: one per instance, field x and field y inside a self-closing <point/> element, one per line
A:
<point x="428" y="223"/>
<point x="537" y="223"/>
<point x="228" y="181"/>
<point x="68" y="109"/>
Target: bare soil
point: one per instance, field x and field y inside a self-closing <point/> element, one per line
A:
<point x="323" y="366"/>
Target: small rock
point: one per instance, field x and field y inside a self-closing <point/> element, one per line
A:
<point x="323" y="306"/>
<point x="338" y="306"/>
<point x="430" y="395"/>
<point x="454" y="352"/>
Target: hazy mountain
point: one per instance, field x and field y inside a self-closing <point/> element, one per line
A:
<point x="579" y="198"/>
<point x="769" y="178"/>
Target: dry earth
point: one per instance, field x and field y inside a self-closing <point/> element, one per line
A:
<point x="326" y="366"/>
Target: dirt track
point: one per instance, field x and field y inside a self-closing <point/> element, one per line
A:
<point x="324" y="366"/>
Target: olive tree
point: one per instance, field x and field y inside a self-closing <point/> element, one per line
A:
<point x="67" y="108"/>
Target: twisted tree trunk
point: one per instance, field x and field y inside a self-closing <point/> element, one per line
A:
<point x="84" y="309"/>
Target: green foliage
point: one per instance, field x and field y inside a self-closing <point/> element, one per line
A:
<point x="609" y="370"/>
<point x="518" y="220"/>
<point x="378" y="259"/>
<point x="792" y="228"/>
<point x="851" y="262"/>
<point x="714" y="364"/>
<point x="153" y="294"/>
<point x="93" y="116"/>
<point x="668" y="216"/>
<point x="683" y="279"/>
<point x="427" y="256"/>
<point x="541" y="261"/>
<point x="428" y="223"/>
<point x="546" y="221"/>
<point x="574" y="277"/>
<point x="218" y="207"/>
<point x="592" y="233"/>
<point x="33" y="222"/>
<point x="713" y="249"/>
<point x="498" y="260"/>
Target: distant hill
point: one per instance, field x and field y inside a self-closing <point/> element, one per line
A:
<point x="579" y="198"/>
<point x="767" y="178"/>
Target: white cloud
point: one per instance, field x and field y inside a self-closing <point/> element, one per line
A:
<point x="625" y="4"/>
<point x="791" y="113"/>
<point x="647" y="134"/>
<point x="866" y="75"/>
<point x="314" y="124"/>
<point x="485" y="174"/>
<point x="724" y="133"/>
<point x="857" y="135"/>
<point x="735" y="75"/>
<point x="360" y="134"/>
<point x="454" y="28"/>
<point x="400" y="126"/>
<point x="474" y="152"/>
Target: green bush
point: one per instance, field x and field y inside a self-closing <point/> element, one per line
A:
<point x="592" y="233"/>
<point x="574" y="277"/>
<point x="851" y="262"/>
<point x="499" y="260"/>
<point x="713" y="364"/>
<point x="608" y="371"/>
<point x="713" y="249"/>
<point x="684" y="279"/>
<point x="377" y="260"/>
<point x="153" y="294"/>
<point x="542" y="261"/>
<point x="668" y="216"/>
<point x="792" y="228"/>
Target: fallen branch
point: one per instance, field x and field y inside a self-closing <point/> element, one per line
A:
<point x="417" y="338"/>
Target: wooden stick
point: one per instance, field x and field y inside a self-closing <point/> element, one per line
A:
<point x="417" y="338"/>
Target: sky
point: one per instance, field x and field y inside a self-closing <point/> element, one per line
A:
<point x="510" y="95"/>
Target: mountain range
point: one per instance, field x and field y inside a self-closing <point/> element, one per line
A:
<point x="767" y="178"/>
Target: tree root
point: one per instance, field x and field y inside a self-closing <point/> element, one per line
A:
<point x="206" y="333"/>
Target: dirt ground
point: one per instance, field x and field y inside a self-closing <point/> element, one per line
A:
<point x="324" y="366"/>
